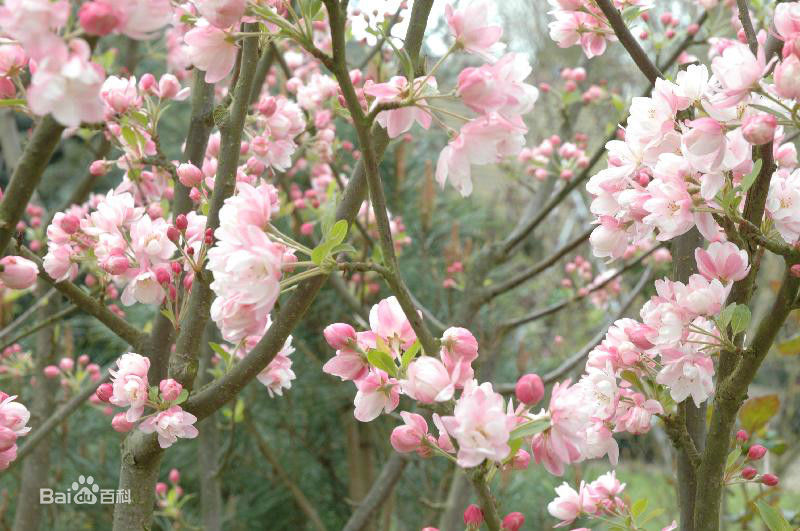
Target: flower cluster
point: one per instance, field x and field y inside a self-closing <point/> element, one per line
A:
<point x="555" y="157"/>
<point x="129" y="388"/>
<point x="383" y="363"/>
<point x="13" y="419"/>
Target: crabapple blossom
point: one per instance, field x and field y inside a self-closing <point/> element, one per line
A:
<point x="470" y="29"/>
<point x="388" y="321"/>
<point x="129" y="384"/>
<point x="221" y="13"/>
<point x="210" y="49"/>
<point x="398" y="121"/>
<point x="377" y="392"/>
<point x="170" y="425"/>
<point x="18" y="272"/>
<point x="428" y="381"/>
<point x="480" y="425"/>
<point x="722" y="261"/>
<point x="409" y="437"/>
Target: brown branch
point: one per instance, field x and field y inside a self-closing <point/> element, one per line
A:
<point x="381" y="489"/>
<point x="747" y="25"/>
<point x="637" y="53"/>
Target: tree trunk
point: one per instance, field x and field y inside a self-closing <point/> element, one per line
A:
<point x="36" y="468"/>
<point x="208" y="456"/>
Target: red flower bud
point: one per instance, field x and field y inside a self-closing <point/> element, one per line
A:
<point x="770" y="480"/>
<point x="529" y="389"/>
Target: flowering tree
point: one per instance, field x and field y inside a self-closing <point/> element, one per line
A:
<point x="204" y="263"/>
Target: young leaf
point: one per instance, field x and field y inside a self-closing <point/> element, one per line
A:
<point x="772" y="517"/>
<point x="182" y="397"/>
<point x="740" y="319"/>
<point x="529" y="428"/>
<point x="338" y="232"/>
<point x="409" y="354"/>
<point x="383" y="361"/>
<point x="639" y="507"/>
<point x="749" y="179"/>
<point x="224" y="354"/>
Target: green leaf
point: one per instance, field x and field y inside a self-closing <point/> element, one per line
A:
<point x="790" y="347"/>
<point x="529" y="428"/>
<point x="639" y="507"/>
<point x="238" y="411"/>
<point x="724" y="317"/>
<point x="757" y="412"/>
<point x="152" y="394"/>
<point x="338" y="232"/>
<point x="409" y="354"/>
<point x="182" y="397"/>
<point x="633" y="378"/>
<point x="740" y="319"/>
<point x="772" y="517"/>
<point x="224" y="354"/>
<point x="383" y="361"/>
<point x="733" y="456"/>
<point x="344" y="248"/>
<point x="320" y="253"/>
<point x="12" y="102"/>
<point x="749" y="179"/>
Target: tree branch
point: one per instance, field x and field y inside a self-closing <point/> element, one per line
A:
<point x="380" y="490"/>
<point x="637" y="53"/>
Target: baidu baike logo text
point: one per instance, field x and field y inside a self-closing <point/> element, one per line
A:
<point x="84" y="491"/>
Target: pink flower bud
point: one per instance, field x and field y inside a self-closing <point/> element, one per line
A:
<point x="173" y="234"/>
<point x="181" y="222"/>
<point x="770" y="480"/>
<point x="104" y="392"/>
<point x="83" y="359"/>
<point x="117" y="265"/>
<point x="66" y="364"/>
<point x="756" y="452"/>
<point x="339" y="335"/>
<point x="161" y="488"/>
<point x="18" y="272"/>
<point x="306" y="229"/>
<point x="99" y="18"/>
<point x="51" y="371"/>
<point x="521" y="460"/>
<point x="98" y="168"/>
<point x="473" y="515"/>
<point x="268" y="107"/>
<point x="168" y="87"/>
<point x="759" y="128"/>
<point x="529" y="389"/>
<point x="170" y="389"/>
<point x="174" y="476"/>
<point x="162" y="275"/>
<point x="787" y="77"/>
<point x="8" y="438"/>
<point x="121" y="424"/>
<point x="692" y="29"/>
<point x="795" y="270"/>
<point x="749" y="472"/>
<point x="147" y="83"/>
<point x="189" y="175"/>
<point x="513" y="522"/>
<point x="742" y="436"/>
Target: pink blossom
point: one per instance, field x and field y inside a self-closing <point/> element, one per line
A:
<point x="129" y="382"/>
<point x="686" y="373"/>
<point x="33" y="23"/>
<point x="480" y="425"/>
<point x="469" y="27"/>
<point x="409" y="437"/>
<point x="121" y="424"/>
<point x="12" y="59"/>
<point x="170" y="389"/>
<point x="221" y="13"/>
<point x="340" y="335"/>
<point x="210" y="49"/>
<point x="376" y="392"/>
<point x="250" y="206"/>
<point x="100" y="17"/>
<point x="347" y="364"/>
<point x="278" y="375"/>
<point x="609" y="238"/>
<point x="428" y="381"/>
<point x="144" y="18"/>
<point x="759" y="128"/>
<point x="144" y="288"/>
<point x="606" y="491"/>
<point x="704" y="144"/>
<point x="58" y="262"/>
<point x="68" y="86"/>
<point x="783" y="204"/>
<point x="701" y="296"/>
<point x="570" y="504"/>
<point x="14" y="416"/>
<point x="8" y="439"/>
<point x="499" y="87"/>
<point x="787" y="21"/>
<point x="635" y="414"/>
<point x="737" y="70"/>
<point x="18" y="272"/>
<point x="787" y="78"/>
<point x="723" y="261"/>
<point x="398" y="121"/>
<point x="561" y="443"/>
<point x="485" y="140"/>
<point x="120" y="94"/>
<point x="170" y="425"/>
<point x="388" y="321"/>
